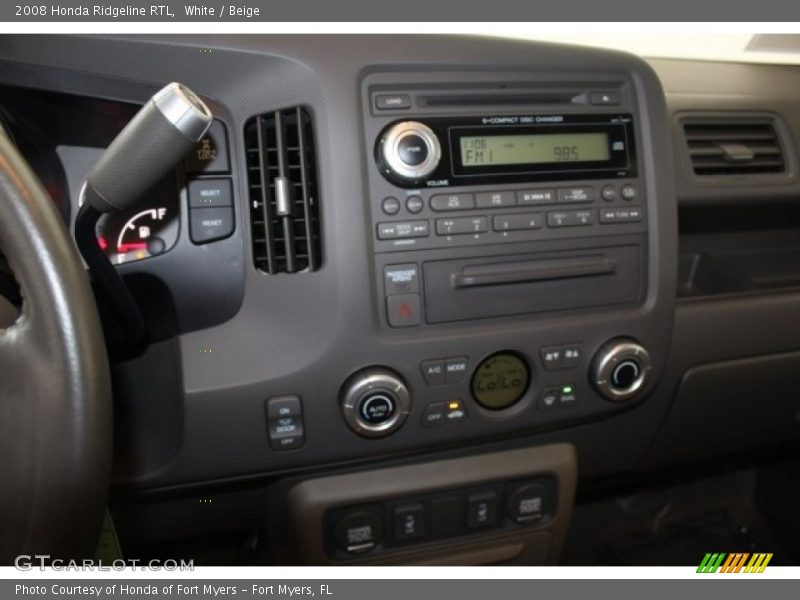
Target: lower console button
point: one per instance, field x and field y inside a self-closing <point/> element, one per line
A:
<point x="357" y="531"/>
<point x="482" y="509"/>
<point x="531" y="502"/>
<point x="409" y="522"/>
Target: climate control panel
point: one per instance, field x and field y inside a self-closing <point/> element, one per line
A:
<point x="505" y="385"/>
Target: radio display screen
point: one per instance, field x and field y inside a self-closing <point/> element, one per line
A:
<point x="489" y="150"/>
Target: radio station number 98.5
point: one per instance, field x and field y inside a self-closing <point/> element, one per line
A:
<point x="565" y="153"/>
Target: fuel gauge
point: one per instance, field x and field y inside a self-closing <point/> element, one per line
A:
<point x="126" y="237"/>
<point x="140" y="236"/>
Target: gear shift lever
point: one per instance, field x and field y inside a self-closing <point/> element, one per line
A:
<point x="151" y="144"/>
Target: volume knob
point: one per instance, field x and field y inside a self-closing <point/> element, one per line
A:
<point x="409" y="151"/>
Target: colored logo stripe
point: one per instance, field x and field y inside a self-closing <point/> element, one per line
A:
<point x="758" y="563"/>
<point x="734" y="562"/>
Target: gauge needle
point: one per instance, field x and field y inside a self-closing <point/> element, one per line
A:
<point x="129" y="247"/>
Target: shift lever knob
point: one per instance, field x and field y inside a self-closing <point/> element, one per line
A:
<point x="149" y="147"/>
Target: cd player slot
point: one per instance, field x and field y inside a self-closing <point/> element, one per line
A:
<point x="484" y="287"/>
<point x="459" y="100"/>
<point x="533" y="270"/>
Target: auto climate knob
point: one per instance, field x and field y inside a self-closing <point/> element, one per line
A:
<point x="409" y="151"/>
<point x="620" y="369"/>
<point x="375" y="402"/>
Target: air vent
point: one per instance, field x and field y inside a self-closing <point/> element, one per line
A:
<point x="284" y="201"/>
<point x="734" y="147"/>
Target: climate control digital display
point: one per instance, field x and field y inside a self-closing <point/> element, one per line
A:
<point x="500" y="381"/>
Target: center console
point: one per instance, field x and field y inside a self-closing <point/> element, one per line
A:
<point x="520" y="208"/>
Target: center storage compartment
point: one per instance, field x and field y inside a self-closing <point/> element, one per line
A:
<point x="476" y="288"/>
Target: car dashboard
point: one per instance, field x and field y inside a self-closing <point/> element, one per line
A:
<point x="410" y="292"/>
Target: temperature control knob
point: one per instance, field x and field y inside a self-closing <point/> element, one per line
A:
<point x="620" y="369"/>
<point x="409" y="151"/>
<point x="375" y="402"/>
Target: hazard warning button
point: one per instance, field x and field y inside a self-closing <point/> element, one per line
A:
<point x="403" y="310"/>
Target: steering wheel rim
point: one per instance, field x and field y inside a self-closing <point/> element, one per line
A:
<point x="55" y="391"/>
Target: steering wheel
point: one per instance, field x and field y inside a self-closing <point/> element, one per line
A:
<point x="55" y="392"/>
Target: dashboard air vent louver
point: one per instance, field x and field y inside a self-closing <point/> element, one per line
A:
<point x="734" y="147"/>
<point x="284" y="199"/>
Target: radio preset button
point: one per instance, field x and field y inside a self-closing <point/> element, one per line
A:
<point x="414" y="204"/>
<point x="412" y="150"/>
<point x="462" y="226"/>
<point x="495" y="199"/>
<point x="526" y="197"/>
<point x="517" y="222"/>
<point x="444" y="202"/>
<point x="570" y="218"/>
<point x="390" y="205"/>
<point x="576" y="195"/>
<point x="404" y="229"/>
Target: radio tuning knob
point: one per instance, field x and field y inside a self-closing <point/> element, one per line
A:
<point x="409" y="151"/>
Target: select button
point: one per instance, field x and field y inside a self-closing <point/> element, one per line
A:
<point x="210" y="193"/>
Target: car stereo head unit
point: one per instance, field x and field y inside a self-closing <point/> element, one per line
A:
<point x="481" y="150"/>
